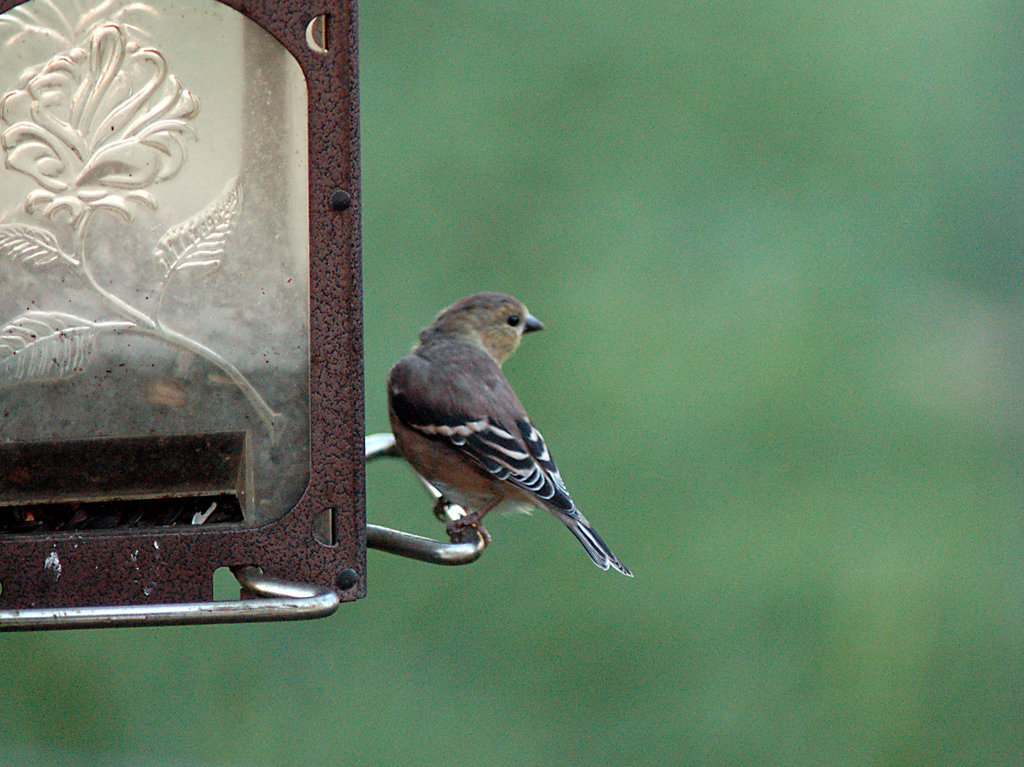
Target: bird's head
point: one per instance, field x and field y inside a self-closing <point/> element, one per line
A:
<point x="494" y="321"/>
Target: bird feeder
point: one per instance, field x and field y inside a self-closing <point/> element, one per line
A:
<point x="180" y="322"/>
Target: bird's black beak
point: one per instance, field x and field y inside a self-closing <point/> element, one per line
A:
<point x="532" y="323"/>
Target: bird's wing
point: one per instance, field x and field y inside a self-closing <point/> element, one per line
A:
<point x="480" y="416"/>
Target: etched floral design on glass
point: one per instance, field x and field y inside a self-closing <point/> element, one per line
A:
<point x="96" y="127"/>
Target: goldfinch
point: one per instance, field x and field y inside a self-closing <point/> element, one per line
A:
<point x="458" y="423"/>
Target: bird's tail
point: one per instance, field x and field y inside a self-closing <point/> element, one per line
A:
<point x="596" y="548"/>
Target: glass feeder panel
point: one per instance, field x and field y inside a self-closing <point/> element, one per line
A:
<point x="154" y="253"/>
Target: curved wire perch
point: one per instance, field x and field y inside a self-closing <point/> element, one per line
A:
<point x="416" y="546"/>
<point x="281" y="600"/>
<point x="424" y="549"/>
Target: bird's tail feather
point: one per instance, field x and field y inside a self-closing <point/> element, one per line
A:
<point x="596" y="548"/>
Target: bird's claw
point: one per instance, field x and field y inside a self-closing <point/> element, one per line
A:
<point x="441" y="508"/>
<point x="464" y="529"/>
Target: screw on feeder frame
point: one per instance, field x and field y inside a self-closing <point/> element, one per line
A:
<point x="340" y="200"/>
<point x="347" y="578"/>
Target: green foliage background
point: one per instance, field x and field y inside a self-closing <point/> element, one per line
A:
<point x="778" y="250"/>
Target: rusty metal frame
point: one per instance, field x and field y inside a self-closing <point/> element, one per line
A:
<point x="174" y="566"/>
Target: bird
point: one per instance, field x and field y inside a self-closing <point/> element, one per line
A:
<point x="459" y="424"/>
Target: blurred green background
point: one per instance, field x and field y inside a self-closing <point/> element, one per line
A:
<point x="778" y="249"/>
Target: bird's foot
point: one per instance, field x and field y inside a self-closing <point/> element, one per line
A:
<point x="441" y="508"/>
<point x="463" y="529"/>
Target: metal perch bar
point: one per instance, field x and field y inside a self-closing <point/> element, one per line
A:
<point x="416" y="546"/>
<point x="424" y="549"/>
<point x="280" y="600"/>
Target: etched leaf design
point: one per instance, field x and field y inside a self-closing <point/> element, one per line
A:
<point x="48" y="346"/>
<point x="198" y="243"/>
<point x="30" y="245"/>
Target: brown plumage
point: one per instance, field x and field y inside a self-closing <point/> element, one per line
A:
<point x="457" y="421"/>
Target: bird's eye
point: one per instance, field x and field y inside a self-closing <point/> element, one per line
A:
<point x="513" y="320"/>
